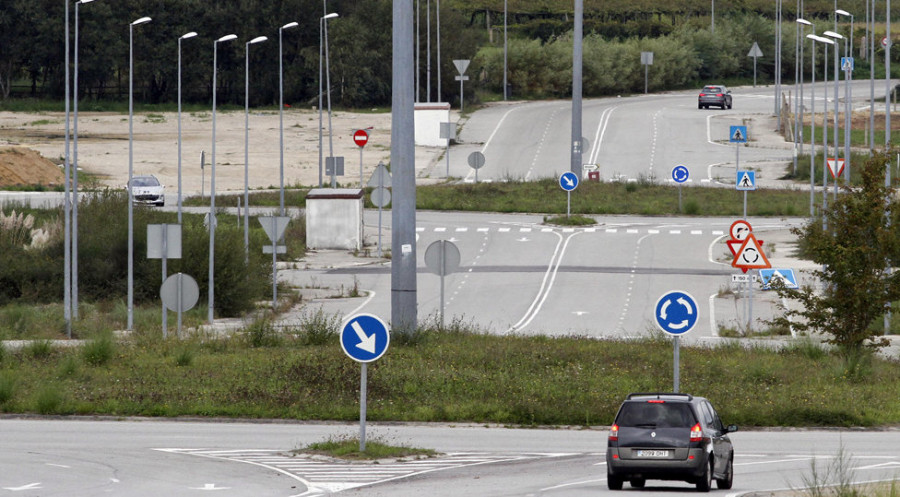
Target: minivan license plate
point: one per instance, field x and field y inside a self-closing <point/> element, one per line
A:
<point x="653" y="453"/>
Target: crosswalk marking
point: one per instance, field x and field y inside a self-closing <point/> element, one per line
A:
<point x="325" y="476"/>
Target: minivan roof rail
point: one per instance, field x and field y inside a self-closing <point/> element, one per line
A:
<point x="659" y="394"/>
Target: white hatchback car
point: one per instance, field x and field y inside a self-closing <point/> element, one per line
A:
<point x="148" y="190"/>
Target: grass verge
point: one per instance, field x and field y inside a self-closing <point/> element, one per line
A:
<point x="348" y="448"/>
<point x="449" y="375"/>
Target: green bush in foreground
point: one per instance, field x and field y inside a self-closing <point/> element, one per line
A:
<point x="453" y="376"/>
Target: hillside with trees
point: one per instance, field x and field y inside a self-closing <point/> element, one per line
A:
<point x="686" y="51"/>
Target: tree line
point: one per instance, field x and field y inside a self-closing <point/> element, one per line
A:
<point x="539" y="59"/>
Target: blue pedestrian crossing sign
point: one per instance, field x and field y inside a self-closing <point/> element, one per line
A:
<point x="746" y="180"/>
<point x="846" y="63"/>
<point x="568" y="181"/>
<point x="787" y="277"/>
<point x="737" y="134"/>
<point x="676" y="312"/>
<point x="365" y="338"/>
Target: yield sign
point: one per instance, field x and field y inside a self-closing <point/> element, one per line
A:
<point x="836" y="169"/>
<point x="750" y="256"/>
<point x="274" y="226"/>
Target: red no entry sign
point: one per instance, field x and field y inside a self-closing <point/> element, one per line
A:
<point x="360" y="137"/>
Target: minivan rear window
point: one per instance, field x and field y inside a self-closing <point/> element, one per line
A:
<point x="655" y="415"/>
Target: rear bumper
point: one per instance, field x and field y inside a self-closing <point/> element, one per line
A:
<point x="661" y="469"/>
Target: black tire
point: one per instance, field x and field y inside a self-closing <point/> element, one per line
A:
<point x="704" y="484"/>
<point x="638" y="482"/>
<point x="614" y="482"/>
<point x="725" y="483"/>
<point x="699" y="106"/>
<point x="730" y="104"/>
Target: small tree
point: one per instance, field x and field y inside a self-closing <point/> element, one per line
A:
<point x="855" y="252"/>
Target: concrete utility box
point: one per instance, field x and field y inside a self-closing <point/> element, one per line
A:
<point x="334" y="218"/>
<point x="428" y="117"/>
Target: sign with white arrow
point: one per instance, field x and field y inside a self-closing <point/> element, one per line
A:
<point x="365" y="338"/>
<point x="568" y="181"/>
<point x="676" y="312"/>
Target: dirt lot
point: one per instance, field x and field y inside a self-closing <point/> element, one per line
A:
<point x="103" y="147"/>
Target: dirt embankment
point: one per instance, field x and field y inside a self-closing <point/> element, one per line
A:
<point x="21" y="166"/>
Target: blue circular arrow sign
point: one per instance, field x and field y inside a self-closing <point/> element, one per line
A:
<point x="365" y="338"/>
<point x="680" y="174"/>
<point x="676" y="312"/>
<point x="568" y="181"/>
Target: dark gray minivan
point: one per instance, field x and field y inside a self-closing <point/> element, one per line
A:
<point x="669" y="436"/>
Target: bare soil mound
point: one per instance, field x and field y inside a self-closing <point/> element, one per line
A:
<point x="21" y="166"/>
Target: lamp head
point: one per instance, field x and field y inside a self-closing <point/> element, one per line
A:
<point x="141" y="21"/>
<point x="842" y="12"/>
<point x="188" y="35"/>
<point x="83" y="1"/>
<point x="290" y="25"/>
<point x="832" y="34"/>
<point x="226" y="38"/>
<point x="331" y="16"/>
<point x="258" y="39"/>
<point x="803" y="21"/>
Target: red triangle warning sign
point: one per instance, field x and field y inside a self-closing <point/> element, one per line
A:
<point x="750" y="256"/>
<point x="734" y="245"/>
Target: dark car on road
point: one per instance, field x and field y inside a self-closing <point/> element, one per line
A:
<point x="714" y="95"/>
<point x="669" y="436"/>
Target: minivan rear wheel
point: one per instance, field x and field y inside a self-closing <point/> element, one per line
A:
<point x="725" y="483"/>
<point x="704" y="484"/>
<point x="614" y="482"/>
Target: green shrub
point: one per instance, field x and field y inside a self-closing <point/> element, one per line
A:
<point x="184" y="357"/>
<point x="318" y="328"/>
<point x="98" y="351"/>
<point x="262" y="333"/>
<point x="7" y="387"/>
<point x="39" y="349"/>
<point x="48" y="400"/>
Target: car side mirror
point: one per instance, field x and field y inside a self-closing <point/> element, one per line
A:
<point x="728" y="92"/>
<point x="731" y="429"/>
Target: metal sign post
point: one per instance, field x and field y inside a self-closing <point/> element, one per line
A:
<point x="646" y="61"/>
<point x="164" y="242"/>
<point x="676" y="313"/>
<point x="274" y="227"/>
<point x="442" y="258"/>
<point x="381" y="196"/>
<point x="756" y="53"/>
<point x="448" y="131"/>
<point x="364" y="338"/>
<point x="568" y="181"/>
<point x="680" y="175"/>
<point x="476" y="162"/>
<point x="461" y="66"/>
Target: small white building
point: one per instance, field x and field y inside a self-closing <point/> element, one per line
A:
<point x="334" y="218"/>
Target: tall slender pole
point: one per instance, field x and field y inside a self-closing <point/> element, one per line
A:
<point x="887" y="75"/>
<point x="131" y="169"/>
<point x="258" y="39"/>
<point x="577" y="55"/>
<point x="328" y="93"/>
<point x="184" y="37"/>
<point x="505" y="49"/>
<point x="437" y="11"/>
<point x="872" y="76"/>
<point x="418" y="51"/>
<point x="67" y="206"/>
<point x="212" y="188"/>
<point x="75" y="177"/>
<point x="825" y="138"/>
<point x="403" y="236"/>
<point x="428" y="51"/>
<point x="321" y="24"/>
<point x="281" y="116"/>
<point x="812" y="140"/>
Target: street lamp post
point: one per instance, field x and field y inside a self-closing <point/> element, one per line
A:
<point x="67" y="244"/>
<point x="281" y="115"/>
<point x="74" y="172"/>
<point x="328" y="96"/>
<point x="798" y="91"/>
<point x="812" y="141"/>
<point x="183" y="37"/>
<point x="836" y="36"/>
<point x="258" y="39"/>
<point x="212" y="186"/>
<point x="848" y="76"/>
<point x="142" y="20"/>
<point x="322" y="28"/>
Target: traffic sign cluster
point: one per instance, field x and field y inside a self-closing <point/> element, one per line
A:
<point x="747" y="250"/>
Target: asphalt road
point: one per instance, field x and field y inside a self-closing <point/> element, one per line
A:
<point x="157" y="457"/>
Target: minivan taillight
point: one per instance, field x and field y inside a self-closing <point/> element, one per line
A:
<point x="696" y="433"/>
<point x="614" y="433"/>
